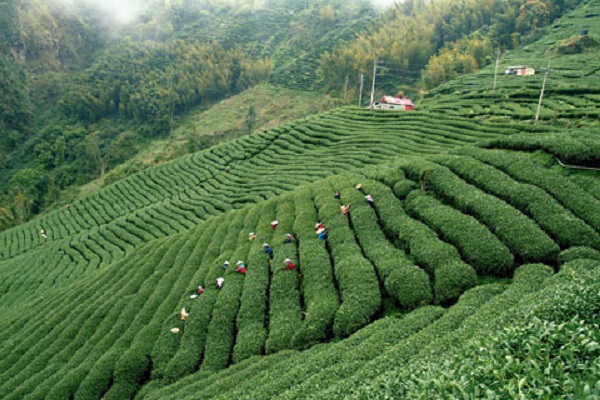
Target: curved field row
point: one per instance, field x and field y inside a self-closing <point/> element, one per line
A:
<point x="564" y="227"/>
<point x="571" y="91"/>
<point x="113" y="337"/>
<point x="167" y="270"/>
<point x="159" y="202"/>
<point x="335" y="369"/>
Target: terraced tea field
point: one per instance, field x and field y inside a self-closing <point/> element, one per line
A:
<point x="395" y="301"/>
<point x="572" y="92"/>
<point x="93" y="317"/>
<point x="159" y="202"/>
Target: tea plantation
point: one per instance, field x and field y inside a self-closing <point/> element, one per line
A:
<point x="474" y="274"/>
<point x="572" y="94"/>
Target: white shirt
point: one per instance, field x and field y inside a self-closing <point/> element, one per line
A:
<point x="220" y="281"/>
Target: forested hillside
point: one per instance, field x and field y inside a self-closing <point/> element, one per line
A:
<point x="88" y="87"/>
<point x="439" y="253"/>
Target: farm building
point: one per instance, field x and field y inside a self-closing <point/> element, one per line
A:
<point x="519" y="70"/>
<point x="394" y="103"/>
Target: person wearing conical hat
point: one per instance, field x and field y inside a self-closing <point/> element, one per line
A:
<point x="252" y="236"/>
<point x="345" y="209"/>
<point x="241" y="268"/>
<point x="184" y="314"/>
<point x="225" y="264"/>
<point x="289" y="265"/>
<point x="288" y="239"/>
<point x="268" y="250"/>
<point x="274" y="224"/>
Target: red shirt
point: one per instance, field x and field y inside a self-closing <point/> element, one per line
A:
<point x="241" y="270"/>
<point x="290" y="267"/>
<point x="200" y="290"/>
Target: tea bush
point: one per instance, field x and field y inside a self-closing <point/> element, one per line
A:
<point x="520" y="234"/>
<point x="478" y="246"/>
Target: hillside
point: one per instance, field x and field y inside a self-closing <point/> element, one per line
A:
<point x="124" y="261"/>
<point x="474" y="273"/>
<point x="253" y="110"/>
<point x="571" y="94"/>
<point x="87" y="85"/>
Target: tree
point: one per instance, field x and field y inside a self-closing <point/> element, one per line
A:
<point x="96" y="153"/>
<point x="532" y="15"/>
<point x="251" y="118"/>
<point x="26" y="191"/>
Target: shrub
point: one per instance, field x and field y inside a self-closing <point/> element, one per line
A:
<point x="425" y="248"/>
<point x="562" y="225"/>
<point x="521" y="235"/>
<point x="570" y="195"/>
<point x="409" y="286"/>
<point x="578" y="252"/>
<point x="284" y="297"/>
<point x="220" y="336"/>
<point x="250" y="322"/>
<point x="355" y="275"/>
<point x="478" y="246"/>
<point x="320" y="295"/>
<point x="452" y="279"/>
<point x="403" y="187"/>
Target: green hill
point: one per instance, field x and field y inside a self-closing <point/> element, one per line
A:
<point x="121" y="263"/>
<point x="474" y="274"/>
<point x="571" y="95"/>
<point x="83" y="93"/>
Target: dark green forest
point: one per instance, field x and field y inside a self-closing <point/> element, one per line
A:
<point x="81" y="95"/>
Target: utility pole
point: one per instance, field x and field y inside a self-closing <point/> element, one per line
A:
<point x="373" y="85"/>
<point x="537" y="113"/>
<point x="362" y="80"/>
<point x="496" y="73"/>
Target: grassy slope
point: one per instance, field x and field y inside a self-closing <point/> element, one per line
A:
<point x="223" y="121"/>
<point x="92" y="316"/>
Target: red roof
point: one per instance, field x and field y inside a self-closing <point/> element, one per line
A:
<point x="396" y="100"/>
